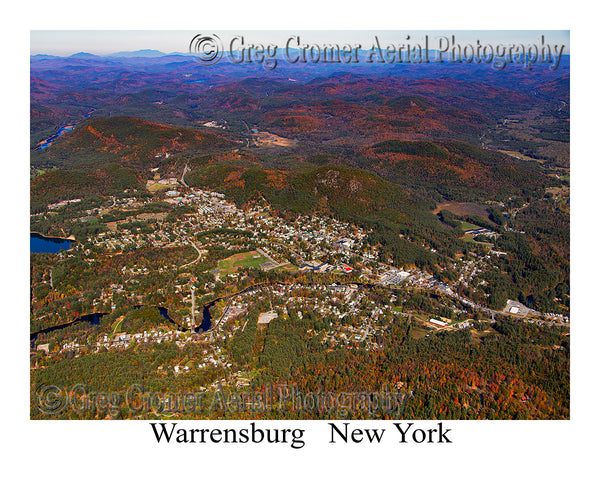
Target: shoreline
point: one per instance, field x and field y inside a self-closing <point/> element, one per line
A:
<point x="70" y="238"/>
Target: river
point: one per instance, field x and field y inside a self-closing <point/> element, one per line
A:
<point x="61" y="131"/>
<point x="94" y="319"/>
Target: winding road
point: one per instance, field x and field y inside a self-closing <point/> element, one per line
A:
<point x="197" y="258"/>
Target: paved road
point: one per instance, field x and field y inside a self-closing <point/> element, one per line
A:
<point x="185" y="170"/>
<point x="197" y="258"/>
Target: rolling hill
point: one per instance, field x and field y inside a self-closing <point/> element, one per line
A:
<point x="129" y="141"/>
<point x="455" y="170"/>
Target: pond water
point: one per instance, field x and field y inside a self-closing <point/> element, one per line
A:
<point x="40" y="244"/>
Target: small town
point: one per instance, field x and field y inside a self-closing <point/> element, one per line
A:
<point x="332" y="253"/>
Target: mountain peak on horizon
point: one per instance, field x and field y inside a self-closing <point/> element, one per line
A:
<point x="83" y="55"/>
<point x="147" y="52"/>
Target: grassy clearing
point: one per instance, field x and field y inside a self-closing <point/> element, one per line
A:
<point x="468" y="226"/>
<point x="159" y="187"/>
<point x="462" y="208"/>
<point x="418" y="332"/>
<point x="117" y="324"/>
<point x="239" y="260"/>
<point x="476" y="335"/>
<point x="520" y="156"/>
<point x="286" y="268"/>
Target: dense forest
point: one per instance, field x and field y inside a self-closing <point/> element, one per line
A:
<point x="507" y="371"/>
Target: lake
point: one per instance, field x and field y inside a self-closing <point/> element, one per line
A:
<point x="40" y="244"/>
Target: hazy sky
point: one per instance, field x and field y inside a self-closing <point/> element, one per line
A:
<point x="68" y="42"/>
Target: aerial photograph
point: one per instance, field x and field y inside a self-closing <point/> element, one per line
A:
<point x="299" y="225"/>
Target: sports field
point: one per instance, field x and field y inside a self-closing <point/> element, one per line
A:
<point x="468" y="226"/>
<point x="158" y="187"/>
<point x="247" y="259"/>
<point x="286" y="268"/>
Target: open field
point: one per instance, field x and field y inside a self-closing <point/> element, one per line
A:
<point x="116" y="326"/>
<point x="264" y="139"/>
<point x="520" y="156"/>
<point x="468" y="226"/>
<point x="477" y="335"/>
<point x="152" y="216"/>
<point x="247" y="259"/>
<point x="286" y="268"/>
<point x="158" y="187"/>
<point x="484" y="244"/>
<point x="419" y="332"/>
<point x="462" y="208"/>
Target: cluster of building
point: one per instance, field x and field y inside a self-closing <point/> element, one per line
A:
<point x="303" y="241"/>
<point x="54" y="206"/>
<point x="481" y="231"/>
<point x="124" y="340"/>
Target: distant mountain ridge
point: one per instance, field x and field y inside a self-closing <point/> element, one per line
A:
<point x="84" y="55"/>
<point x="138" y="53"/>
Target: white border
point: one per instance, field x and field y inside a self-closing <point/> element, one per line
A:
<point x="553" y="449"/>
